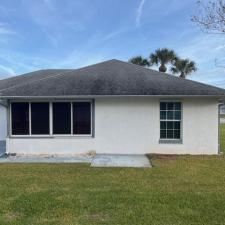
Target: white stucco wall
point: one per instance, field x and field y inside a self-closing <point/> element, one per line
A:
<point x="3" y="129"/>
<point x="3" y="122"/>
<point x="131" y="126"/>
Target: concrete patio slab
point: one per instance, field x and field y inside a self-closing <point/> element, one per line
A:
<point x="101" y="160"/>
<point x="120" y="161"/>
<point x="47" y="159"/>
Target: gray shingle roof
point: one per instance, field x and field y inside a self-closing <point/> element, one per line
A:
<point x="29" y="77"/>
<point x="112" y="77"/>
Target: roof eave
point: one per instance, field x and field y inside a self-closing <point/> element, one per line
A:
<point x="220" y="97"/>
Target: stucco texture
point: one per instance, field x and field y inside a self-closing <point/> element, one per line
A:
<point x="131" y="126"/>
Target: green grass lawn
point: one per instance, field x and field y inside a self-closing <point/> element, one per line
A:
<point x="176" y="191"/>
<point x="183" y="190"/>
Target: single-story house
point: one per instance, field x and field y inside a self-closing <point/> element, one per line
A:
<point x="110" y="107"/>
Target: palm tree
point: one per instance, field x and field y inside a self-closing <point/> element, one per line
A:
<point x="162" y="56"/>
<point x="184" y="67"/>
<point x="139" y="60"/>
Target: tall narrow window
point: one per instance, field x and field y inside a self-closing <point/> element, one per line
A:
<point x="20" y="118"/>
<point x="170" y="120"/>
<point x="82" y="118"/>
<point x="40" y="118"/>
<point x="61" y="118"/>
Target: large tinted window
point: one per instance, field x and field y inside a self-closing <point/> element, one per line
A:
<point x="20" y="118"/>
<point x="40" y="118"/>
<point x="62" y="118"/>
<point x="81" y="118"/>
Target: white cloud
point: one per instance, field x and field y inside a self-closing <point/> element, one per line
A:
<point x="201" y="47"/>
<point x="139" y="12"/>
<point x="113" y="34"/>
<point x="5" y="30"/>
<point x="214" y="76"/>
<point x="53" y="20"/>
<point x="204" y="49"/>
<point x="15" y="62"/>
<point x="81" y="58"/>
<point x="6" y="71"/>
<point x="173" y="6"/>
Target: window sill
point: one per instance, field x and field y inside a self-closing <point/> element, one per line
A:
<point x="52" y="136"/>
<point x="170" y="141"/>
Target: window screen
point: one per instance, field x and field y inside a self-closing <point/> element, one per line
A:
<point x="81" y="118"/>
<point x="61" y="118"/>
<point x="40" y="118"/>
<point x="170" y="120"/>
<point x="20" y="118"/>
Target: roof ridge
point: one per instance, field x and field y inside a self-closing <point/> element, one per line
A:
<point x="45" y="78"/>
<point x="96" y="64"/>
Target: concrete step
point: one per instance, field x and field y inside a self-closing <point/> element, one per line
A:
<point x="106" y="160"/>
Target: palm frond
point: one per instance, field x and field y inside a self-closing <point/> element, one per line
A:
<point x="184" y="67"/>
<point x="174" y="70"/>
<point x="163" y="56"/>
<point x="154" y="60"/>
<point x="139" y="60"/>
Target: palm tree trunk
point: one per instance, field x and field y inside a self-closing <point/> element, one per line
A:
<point x="182" y="75"/>
<point x="162" y="68"/>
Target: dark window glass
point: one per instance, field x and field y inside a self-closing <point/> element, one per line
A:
<point x="162" y="134"/>
<point x="20" y="118"/>
<point x="170" y="125"/>
<point x="162" y="105"/>
<point x="177" y="106"/>
<point x="177" y="134"/>
<point x="61" y="118"/>
<point x="177" y="115"/>
<point x="82" y="118"/>
<point x="169" y="115"/>
<point x="169" y="134"/>
<point x="176" y="125"/>
<point x="162" y="115"/>
<point x="170" y="105"/>
<point x="163" y="125"/>
<point x="40" y="118"/>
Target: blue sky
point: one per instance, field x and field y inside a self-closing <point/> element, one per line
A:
<point x="40" y="34"/>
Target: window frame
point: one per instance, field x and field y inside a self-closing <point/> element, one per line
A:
<point x="171" y="140"/>
<point x="51" y="135"/>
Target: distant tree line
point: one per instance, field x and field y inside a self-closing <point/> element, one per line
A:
<point x="164" y="56"/>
